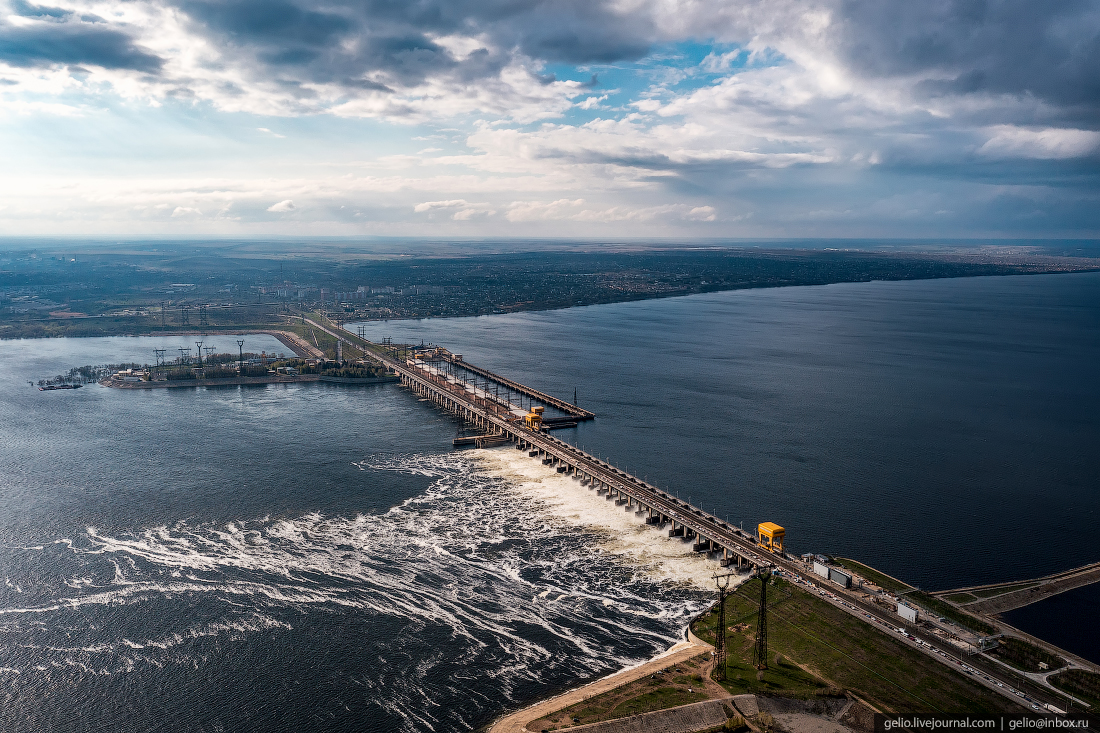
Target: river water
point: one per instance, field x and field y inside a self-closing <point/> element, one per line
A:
<point x="316" y="557"/>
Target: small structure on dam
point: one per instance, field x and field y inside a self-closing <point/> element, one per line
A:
<point x="770" y="536"/>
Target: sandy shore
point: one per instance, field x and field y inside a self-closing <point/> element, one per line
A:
<point x="517" y="721"/>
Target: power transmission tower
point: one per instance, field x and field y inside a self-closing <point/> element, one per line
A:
<point x="240" y="349"/>
<point x="199" y="345"/>
<point x="185" y="315"/>
<point x="202" y="316"/>
<point x="760" y="650"/>
<point x="208" y="350"/>
<point x="162" y="314"/>
<point x="185" y="355"/>
<point x="723" y="583"/>
<point x="159" y="356"/>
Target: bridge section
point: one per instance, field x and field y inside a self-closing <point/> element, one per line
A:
<point x="707" y="533"/>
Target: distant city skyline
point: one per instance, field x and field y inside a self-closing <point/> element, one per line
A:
<point x="237" y="118"/>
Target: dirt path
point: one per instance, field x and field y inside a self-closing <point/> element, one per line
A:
<point x="517" y="721"/>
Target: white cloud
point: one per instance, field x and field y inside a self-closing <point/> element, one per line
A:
<point x="466" y="211"/>
<point x="1009" y="141"/>
<point x="539" y="211"/>
<point x="784" y="102"/>
<point x="470" y="214"/>
<point x="429" y="205"/>
<point x="576" y="210"/>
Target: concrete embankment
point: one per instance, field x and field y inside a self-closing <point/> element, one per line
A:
<point x="1045" y="588"/>
<point x="684" y="719"/>
<point x="297" y="344"/>
<point x="517" y="721"/>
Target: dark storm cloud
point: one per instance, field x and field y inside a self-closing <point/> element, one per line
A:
<point x="269" y="22"/>
<point x="73" y="43"/>
<point x="382" y="42"/>
<point x="26" y="10"/>
<point x="1046" y="50"/>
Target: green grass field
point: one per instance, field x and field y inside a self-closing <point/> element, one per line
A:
<point x="1081" y="684"/>
<point x="961" y="598"/>
<point x="678" y="684"/>
<point x="1025" y="656"/>
<point x="991" y="592"/>
<point x="835" y="649"/>
<point x="879" y="579"/>
<point x="945" y="609"/>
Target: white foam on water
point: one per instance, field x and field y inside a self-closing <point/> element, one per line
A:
<point x="525" y="572"/>
<point x="647" y="549"/>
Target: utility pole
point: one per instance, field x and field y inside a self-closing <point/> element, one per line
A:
<point x="723" y="583"/>
<point x="760" y="649"/>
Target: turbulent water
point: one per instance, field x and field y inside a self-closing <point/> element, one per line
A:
<point x="471" y="595"/>
<point x="315" y="557"/>
<point x="299" y="558"/>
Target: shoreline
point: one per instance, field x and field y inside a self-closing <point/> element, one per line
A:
<point x="231" y="381"/>
<point x="303" y="345"/>
<point x="517" y="721"/>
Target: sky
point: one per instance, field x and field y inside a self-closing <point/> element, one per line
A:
<point x="550" y="118"/>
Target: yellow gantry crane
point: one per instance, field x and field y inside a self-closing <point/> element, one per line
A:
<point x="533" y="419"/>
<point x="770" y="536"/>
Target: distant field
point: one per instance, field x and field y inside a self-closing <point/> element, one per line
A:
<point x="110" y="290"/>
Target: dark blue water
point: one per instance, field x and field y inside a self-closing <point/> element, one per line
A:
<point x="1067" y="620"/>
<point x="303" y="557"/>
<point x="945" y="431"/>
<point x="314" y="557"/>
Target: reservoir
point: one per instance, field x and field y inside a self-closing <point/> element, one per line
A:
<point x="316" y="557"/>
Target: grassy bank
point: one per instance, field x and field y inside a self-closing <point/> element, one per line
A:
<point x="822" y="647"/>
<point x="1079" y="683"/>
<point x="1025" y="656"/>
<point x="678" y="684"/>
<point x="951" y="613"/>
<point x="880" y="579"/>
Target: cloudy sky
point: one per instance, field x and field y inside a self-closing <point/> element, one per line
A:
<point x="603" y="118"/>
